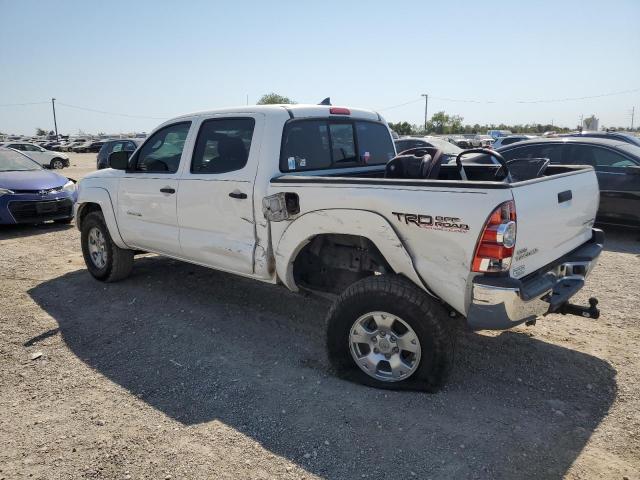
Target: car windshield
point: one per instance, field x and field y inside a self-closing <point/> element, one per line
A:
<point x="11" y="161"/>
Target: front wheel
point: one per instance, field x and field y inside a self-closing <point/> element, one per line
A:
<point x="104" y="259"/>
<point x="385" y="332"/>
<point x="57" y="163"/>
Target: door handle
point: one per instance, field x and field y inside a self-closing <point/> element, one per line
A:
<point x="168" y="190"/>
<point x="565" y="196"/>
<point x="238" y="195"/>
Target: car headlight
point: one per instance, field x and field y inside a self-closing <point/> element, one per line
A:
<point x="69" y="186"/>
<point x="5" y="191"/>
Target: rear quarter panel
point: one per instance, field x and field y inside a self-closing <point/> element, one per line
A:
<point x="441" y="255"/>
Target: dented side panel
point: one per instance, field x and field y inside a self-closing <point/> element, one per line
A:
<point x="297" y="233"/>
<point x="434" y="230"/>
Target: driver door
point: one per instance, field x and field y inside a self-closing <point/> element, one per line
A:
<point x="147" y="194"/>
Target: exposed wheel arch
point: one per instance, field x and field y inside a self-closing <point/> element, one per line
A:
<point x="343" y="222"/>
<point x="330" y="262"/>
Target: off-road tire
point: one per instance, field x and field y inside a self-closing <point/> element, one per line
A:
<point x="119" y="260"/>
<point x="397" y="296"/>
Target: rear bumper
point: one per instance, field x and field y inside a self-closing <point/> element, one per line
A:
<point x="499" y="303"/>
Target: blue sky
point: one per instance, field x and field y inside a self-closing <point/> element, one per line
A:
<point x="161" y="59"/>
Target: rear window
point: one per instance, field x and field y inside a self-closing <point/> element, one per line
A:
<point x="324" y="144"/>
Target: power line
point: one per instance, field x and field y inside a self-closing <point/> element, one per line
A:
<point x="22" y="104"/>
<point x="569" y="99"/>
<point x="553" y="100"/>
<point x="401" y="104"/>
<point x="110" y="113"/>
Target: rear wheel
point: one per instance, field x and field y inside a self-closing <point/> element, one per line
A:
<point x="57" y="163"/>
<point x="104" y="259"/>
<point x="385" y="332"/>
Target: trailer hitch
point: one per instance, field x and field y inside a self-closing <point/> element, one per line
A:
<point x="588" y="312"/>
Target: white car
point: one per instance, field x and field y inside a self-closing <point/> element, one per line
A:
<point x="313" y="197"/>
<point x="46" y="158"/>
<point x="502" y="141"/>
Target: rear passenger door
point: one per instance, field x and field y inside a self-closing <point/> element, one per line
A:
<point x="619" y="188"/>
<point x="215" y="202"/>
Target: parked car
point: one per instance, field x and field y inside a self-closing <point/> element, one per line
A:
<point x="617" y="166"/>
<point x="503" y="141"/>
<point x="463" y="142"/>
<point x="486" y="141"/>
<point x="71" y="144"/>
<point x="117" y="145"/>
<point x="46" y="158"/>
<point x="499" y="133"/>
<point x="317" y="200"/>
<point x="30" y="194"/>
<point x="621" y="136"/>
<point x="96" y="146"/>
<point x="82" y="147"/>
<point x="449" y="149"/>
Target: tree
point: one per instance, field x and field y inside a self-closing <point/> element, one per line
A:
<point x="41" y="132"/>
<point x="402" y="128"/>
<point x="274" y="98"/>
<point x="439" y="120"/>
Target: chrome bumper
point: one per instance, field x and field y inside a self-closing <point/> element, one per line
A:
<point x="499" y="303"/>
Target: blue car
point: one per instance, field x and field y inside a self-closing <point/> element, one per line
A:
<point x="31" y="194"/>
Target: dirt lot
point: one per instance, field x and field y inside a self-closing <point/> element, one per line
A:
<point x="184" y="372"/>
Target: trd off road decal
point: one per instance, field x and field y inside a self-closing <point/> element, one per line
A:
<point x="437" y="222"/>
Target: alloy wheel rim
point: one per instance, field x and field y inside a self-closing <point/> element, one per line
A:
<point x="97" y="247"/>
<point x="384" y="346"/>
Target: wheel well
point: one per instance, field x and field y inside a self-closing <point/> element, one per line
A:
<point x="84" y="210"/>
<point x="331" y="262"/>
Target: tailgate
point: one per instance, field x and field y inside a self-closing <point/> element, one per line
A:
<point x="555" y="214"/>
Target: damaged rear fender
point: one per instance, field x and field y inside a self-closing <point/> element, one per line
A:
<point x="362" y="223"/>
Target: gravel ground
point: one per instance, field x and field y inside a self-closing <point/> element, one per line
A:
<point x="184" y="372"/>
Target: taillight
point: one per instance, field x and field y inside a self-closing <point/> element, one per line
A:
<point x="498" y="239"/>
<point x="339" y="111"/>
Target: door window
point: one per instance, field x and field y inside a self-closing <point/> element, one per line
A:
<point x="609" y="158"/>
<point x="223" y="145"/>
<point x="552" y="151"/>
<point x="162" y="151"/>
<point x="129" y="146"/>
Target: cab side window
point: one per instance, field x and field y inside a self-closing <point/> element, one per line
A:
<point x="223" y="145"/>
<point x="162" y="151"/>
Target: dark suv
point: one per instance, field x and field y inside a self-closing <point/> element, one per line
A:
<point x="126" y="144"/>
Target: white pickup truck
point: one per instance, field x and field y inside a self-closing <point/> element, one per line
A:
<point x="314" y="197"/>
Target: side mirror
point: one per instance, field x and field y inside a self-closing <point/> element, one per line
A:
<point x="119" y="160"/>
<point x="633" y="170"/>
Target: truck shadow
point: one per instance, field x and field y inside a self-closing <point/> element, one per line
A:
<point x="215" y="346"/>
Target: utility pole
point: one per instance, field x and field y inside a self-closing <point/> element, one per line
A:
<point x="426" y="103"/>
<point x="55" y="123"/>
<point x="633" y="111"/>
